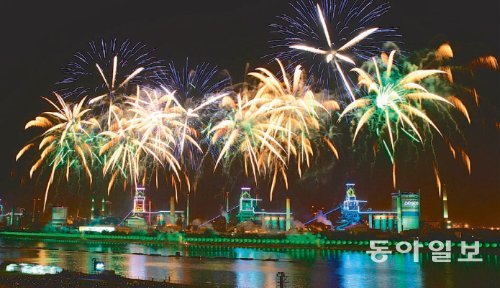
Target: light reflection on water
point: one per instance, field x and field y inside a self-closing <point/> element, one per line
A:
<point x="305" y="267"/>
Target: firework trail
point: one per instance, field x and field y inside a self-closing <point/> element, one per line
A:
<point x="193" y="84"/>
<point x="462" y="94"/>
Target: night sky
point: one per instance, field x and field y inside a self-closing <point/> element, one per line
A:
<point x="39" y="38"/>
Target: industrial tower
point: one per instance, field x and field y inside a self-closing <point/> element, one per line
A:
<point x="350" y="208"/>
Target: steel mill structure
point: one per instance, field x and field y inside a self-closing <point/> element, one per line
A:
<point x="272" y="221"/>
<point x="404" y="213"/>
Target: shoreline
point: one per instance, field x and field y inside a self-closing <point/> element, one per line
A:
<point x="304" y="241"/>
<point x="84" y="280"/>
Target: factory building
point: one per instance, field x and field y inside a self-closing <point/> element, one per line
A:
<point x="407" y="208"/>
<point x="59" y="216"/>
<point x="383" y="221"/>
<point x="404" y="215"/>
<point x="142" y="216"/>
<point x="249" y="211"/>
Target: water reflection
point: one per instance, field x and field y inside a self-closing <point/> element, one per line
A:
<point x="305" y="267"/>
<point x="398" y="271"/>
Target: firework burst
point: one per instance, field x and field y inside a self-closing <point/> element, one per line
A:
<point x="270" y="126"/>
<point x="121" y="149"/>
<point x="327" y="36"/>
<point x="148" y="133"/>
<point x="394" y="105"/>
<point x="66" y="142"/>
<point x="118" y="63"/>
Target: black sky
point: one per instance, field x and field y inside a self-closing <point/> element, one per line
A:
<point x="39" y="38"/>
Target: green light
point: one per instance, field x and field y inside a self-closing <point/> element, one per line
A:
<point x="411" y="136"/>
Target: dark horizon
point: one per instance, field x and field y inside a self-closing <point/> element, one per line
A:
<point x="41" y="38"/>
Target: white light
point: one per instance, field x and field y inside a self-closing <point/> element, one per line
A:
<point x="11" y="268"/>
<point x="382" y="100"/>
<point x="33" y="269"/>
<point x="99" y="266"/>
<point x="98" y="229"/>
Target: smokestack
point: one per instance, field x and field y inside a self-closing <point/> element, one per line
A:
<point x="172" y="209"/>
<point x="445" y="204"/>
<point x="11" y="219"/>
<point x="399" y="212"/>
<point x="149" y="214"/>
<point x="287" y="219"/>
<point x="187" y="209"/>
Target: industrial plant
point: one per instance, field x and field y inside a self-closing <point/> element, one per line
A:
<point x="247" y="216"/>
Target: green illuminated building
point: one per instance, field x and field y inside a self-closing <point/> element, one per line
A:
<point x="407" y="208"/>
<point x="249" y="211"/>
<point x="248" y="205"/>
